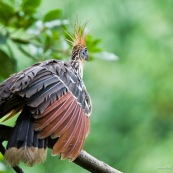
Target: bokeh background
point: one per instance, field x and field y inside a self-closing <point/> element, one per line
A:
<point x="132" y="119"/>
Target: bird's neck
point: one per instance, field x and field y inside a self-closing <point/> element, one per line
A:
<point x="77" y="65"/>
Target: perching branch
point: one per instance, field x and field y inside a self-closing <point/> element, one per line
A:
<point x="92" y="164"/>
<point x="84" y="160"/>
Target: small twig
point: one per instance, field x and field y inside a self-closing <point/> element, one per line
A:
<point x="84" y="160"/>
<point x="23" y="41"/>
<point x="26" y="53"/>
<point x="2" y="149"/>
<point x="17" y="169"/>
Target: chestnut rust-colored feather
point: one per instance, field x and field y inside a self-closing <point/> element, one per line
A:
<point x="65" y="141"/>
<point x="68" y="122"/>
<point x="58" y="121"/>
<point x="64" y="125"/>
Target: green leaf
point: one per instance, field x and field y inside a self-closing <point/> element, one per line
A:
<point x="33" y="3"/>
<point x="23" y="22"/>
<point x="52" y="15"/>
<point x="108" y="56"/>
<point x="92" y="44"/>
<point x="97" y="41"/>
<point x="7" y="12"/>
<point x="29" y="6"/>
<point x="8" y="65"/>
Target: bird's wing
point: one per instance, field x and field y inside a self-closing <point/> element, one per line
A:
<point x="9" y="100"/>
<point x="59" y="102"/>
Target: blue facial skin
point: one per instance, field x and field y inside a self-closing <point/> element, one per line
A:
<point x="84" y="53"/>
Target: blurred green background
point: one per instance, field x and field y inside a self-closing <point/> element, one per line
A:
<point x="131" y="123"/>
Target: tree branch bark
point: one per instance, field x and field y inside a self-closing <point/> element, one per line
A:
<point x="84" y="159"/>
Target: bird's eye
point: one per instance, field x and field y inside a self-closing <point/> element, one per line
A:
<point x="84" y="53"/>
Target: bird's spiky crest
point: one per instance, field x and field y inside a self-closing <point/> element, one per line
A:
<point x="79" y="36"/>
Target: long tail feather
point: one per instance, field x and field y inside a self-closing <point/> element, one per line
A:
<point x="24" y="144"/>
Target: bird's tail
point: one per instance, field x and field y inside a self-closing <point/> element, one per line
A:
<point x="24" y="144"/>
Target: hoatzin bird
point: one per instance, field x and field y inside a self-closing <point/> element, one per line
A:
<point x="52" y="101"/>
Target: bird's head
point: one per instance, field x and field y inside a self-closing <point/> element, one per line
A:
<point x="79" y="50"/>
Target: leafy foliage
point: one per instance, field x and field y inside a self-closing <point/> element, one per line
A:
<point x="25" y="33"/>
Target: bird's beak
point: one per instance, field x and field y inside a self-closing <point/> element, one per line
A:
<point x="87" y="57"/>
